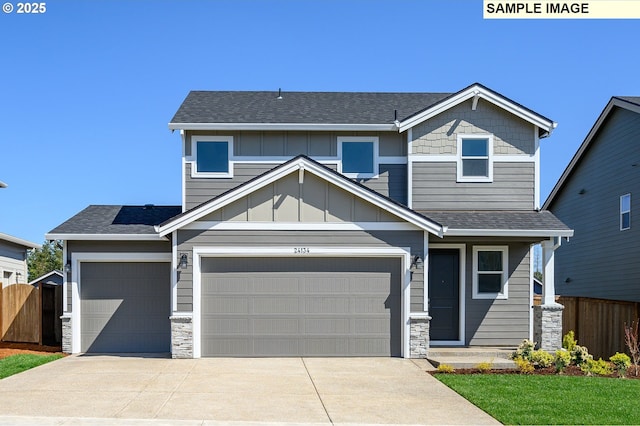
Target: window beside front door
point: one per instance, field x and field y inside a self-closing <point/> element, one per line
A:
<point x="490" y="272"/>
<point x="475" y="158"/>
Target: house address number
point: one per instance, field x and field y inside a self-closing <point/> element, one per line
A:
<point x="301" y="250"/>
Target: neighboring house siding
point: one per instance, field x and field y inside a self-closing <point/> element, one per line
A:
<point x="435" y="188"/>
<point x="438" y="135"/>
<point x="13" y="265"/>
<point x="392" y="181"/>
<point x="111" y="247"/>
<point x="188" y="239"/>
<point x="600" y="260"/>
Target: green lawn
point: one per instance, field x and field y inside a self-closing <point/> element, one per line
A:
<point x="523" y="399"/>
<point x="17" y="363"/>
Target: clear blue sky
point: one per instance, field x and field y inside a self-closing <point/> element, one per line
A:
<point x="89" y="86"/>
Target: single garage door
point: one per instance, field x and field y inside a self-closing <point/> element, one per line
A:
<point x="301" y="307"/>
<point x="125" y="307"/>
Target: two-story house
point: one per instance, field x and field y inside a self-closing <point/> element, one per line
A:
<point x="597" y="195"/>
<point x="324" y="224"/>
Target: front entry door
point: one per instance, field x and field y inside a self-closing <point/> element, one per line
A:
<point x="444" y="294"/>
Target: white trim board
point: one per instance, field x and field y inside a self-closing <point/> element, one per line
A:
<point x="480" y="92"/>
<point x="317" y="170"/>
<point x="106" y="237"/>
<point x="205" y="251"/>
<point x="301" y="226"/>
<point x="76" y="283"/>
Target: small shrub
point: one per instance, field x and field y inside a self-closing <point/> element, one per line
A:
<point x="568" y="341"/>
<point x="599" y="367"/>
<point x="525" y="366"/>
<point x="631" y="340"/>
<point x="621" y="362"/>
<point x="542" y="358"/>
<point x="524" y="351"/>
<point x="580" y="355"/>
<point x="484" y="367"/>
<point x="445" y="368"/>
<point x="562" y="359"/>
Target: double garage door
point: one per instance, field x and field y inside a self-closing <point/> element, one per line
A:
<point x="249" y="307"/>
<point x="301" y="307"/>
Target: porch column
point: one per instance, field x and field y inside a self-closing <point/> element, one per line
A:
<point x="547" y="328"/>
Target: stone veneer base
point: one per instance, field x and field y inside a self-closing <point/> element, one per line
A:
<point x="181" y="336"/>
<point x="547" y="326"/>
<point x="419" y="337"/>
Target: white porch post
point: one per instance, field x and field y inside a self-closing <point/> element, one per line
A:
<point x="548" y="316"/>
<point x="549" y="287"/>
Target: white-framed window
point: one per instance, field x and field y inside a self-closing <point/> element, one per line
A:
<point x="211" y="156"/>
<point x="475" y="158"/>
<point x="625" y="212"/>
<point x="490" y="272"/>
<point x="358" y="156"/>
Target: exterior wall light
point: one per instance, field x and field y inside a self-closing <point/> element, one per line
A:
<point x="184" y="261"/>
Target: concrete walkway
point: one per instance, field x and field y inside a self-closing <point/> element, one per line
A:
<point x="82" y="390"/>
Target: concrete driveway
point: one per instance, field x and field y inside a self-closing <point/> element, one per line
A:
<point x="85" y="389"/>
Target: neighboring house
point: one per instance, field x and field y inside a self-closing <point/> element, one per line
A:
<point x="597" y="195"/>
<point x="323" y="224"/>
<point x="13" y="259"/>
<point x="51" y="278"/>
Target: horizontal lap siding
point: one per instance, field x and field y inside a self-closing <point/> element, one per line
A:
<point x="500" y="322"/>
<point x="600" y="260"/>
<point x="435" y="188"/>
<point x="188" y="239"/>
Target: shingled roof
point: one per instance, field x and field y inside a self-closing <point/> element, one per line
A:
<point x="532" y="223"/>
<point x="116" y="220"/>
<point x="302" y="107"/>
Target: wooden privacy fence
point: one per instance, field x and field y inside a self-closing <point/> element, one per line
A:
<point x="20" y="314"/>
<point x="598" y="324"/>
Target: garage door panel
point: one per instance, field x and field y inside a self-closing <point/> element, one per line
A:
<point x="125" y="307"/>
<point x="303" y="313"/>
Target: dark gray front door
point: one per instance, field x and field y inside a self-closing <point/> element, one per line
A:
<point x="125" y="307"/>
<point x="301" y="306"/>
<point x="444" y="294"/>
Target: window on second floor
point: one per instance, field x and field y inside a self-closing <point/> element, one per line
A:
<point x="212" y="156"/>
<point x="475" y="158"/>
<point x="625" y="212"/>
<point x="358" y="156"/>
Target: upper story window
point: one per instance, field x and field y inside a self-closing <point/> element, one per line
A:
<point x="475" y="158"/>
<point x="625" y="212"/>
<point x="211" y="156"/>
<point x="358" y="156"/>
<point x="490" y="272"/>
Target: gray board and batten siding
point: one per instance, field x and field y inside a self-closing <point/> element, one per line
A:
<point x="301" y="307"/>
<point x="414" y="240"/>
<point x="601" y="261"/>
<point x="391" y="182"/>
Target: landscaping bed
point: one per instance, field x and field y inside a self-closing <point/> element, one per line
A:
<point x="570" y="370"/>
<point x="10" y="348"/>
